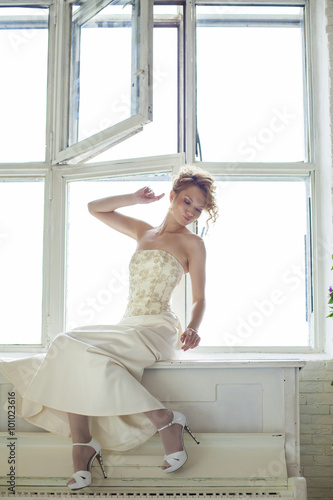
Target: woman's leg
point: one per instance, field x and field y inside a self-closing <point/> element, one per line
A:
<point x="80" y="434"/>
<point x="171" y="436"/>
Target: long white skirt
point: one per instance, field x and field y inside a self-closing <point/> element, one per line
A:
<point x="96" y="371"/>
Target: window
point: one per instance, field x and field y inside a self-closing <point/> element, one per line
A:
<point x="21" y="248"/>
<point x="110" y="78"/>
<point x="163" y="135"/>
<point x="103" y="97"/>
<point x="258" y="263"/>
<point x="24" y="41"/>
<point x="23" y="86"/>
<point x="251" y="101"/>
<point x="252" y="110"/>
<point x="98" y="296"/>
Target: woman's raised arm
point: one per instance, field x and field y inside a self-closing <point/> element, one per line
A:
<point x="105" y="210"/>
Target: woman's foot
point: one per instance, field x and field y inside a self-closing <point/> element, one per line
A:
<point x="171" y="436"/>
<point x="85" y="450"/>
<point x="83" y="463"/>
<point x="81" y="457"/>
<point x="172" y="441"/>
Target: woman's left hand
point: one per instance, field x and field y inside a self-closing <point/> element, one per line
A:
<point x="190" y="339"/>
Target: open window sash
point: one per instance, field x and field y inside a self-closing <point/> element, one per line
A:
<point x="109" y="118"/>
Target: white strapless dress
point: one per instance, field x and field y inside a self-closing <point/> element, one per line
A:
<point x="97" y="370"/>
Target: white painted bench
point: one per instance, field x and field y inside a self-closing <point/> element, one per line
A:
<point x="244" y="413"/>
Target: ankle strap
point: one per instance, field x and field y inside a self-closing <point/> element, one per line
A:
<point x="90" y="443"/>
<point x="167" y="425"/>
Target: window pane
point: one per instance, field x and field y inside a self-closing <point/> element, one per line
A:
<point x="102" y="79"/>
<point x="99" y="294"/>
<point x="256" y="266"/>
<point x="250" y="95"/>
<point x="23" y="86"/>
<point x="21" y="251"/>
<point x="161" y="136"/>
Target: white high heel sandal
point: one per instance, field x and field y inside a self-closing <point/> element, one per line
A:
<point x="177" y="459"/>
<point x="83" y="478"/>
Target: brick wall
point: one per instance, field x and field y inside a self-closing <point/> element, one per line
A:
<point x="316" y="415"/>
<point x="316" y="391"/>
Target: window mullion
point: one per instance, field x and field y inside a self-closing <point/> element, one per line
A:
<point x="247" y="20"/>
<point x="29" y="3"/>
<point x="181" y="74"/>
<point x="57" y="239"/>
<point x="308" y="94"/>
<point x="263" y="3"/>
<point x="190" y="82"/>
<point x="235" y="169"/>
<point x="50" y="83"/>
<point x="47" y="259"/>
<point x="152" y="164"/>
<point x="61" y="79"/>
<point x="75" y="84"/>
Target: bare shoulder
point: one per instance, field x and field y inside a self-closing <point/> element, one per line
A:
<point x="195" y="247"/>
<point x="142" y="227"/>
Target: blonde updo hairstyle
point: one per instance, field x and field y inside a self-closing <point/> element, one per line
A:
<point x="189" y="176"/>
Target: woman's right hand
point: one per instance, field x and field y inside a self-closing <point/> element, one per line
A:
<point x="147" y="195"/>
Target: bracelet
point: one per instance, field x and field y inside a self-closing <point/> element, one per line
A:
<point x="193" y="329"/>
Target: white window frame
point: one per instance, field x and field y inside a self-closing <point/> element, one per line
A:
<point x="191" y="70"/>
<point x="12" y="172"/>
<point x="284" y="170"/>
<point x="88" y="148"/>
<point x="57" y="175"/>
<point x="308" y="167"/>
<point x="61" y="177"/>
<point x="30" y="170"/>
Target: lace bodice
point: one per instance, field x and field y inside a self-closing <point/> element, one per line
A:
<point x="153" y="276"/>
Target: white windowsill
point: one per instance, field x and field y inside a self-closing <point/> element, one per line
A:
<point x="217" y="358"/>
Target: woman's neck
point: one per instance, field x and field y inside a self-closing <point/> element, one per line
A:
<point x="170" y="225"/>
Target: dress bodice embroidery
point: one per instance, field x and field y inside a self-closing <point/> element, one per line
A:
<point x="153" y="276"/>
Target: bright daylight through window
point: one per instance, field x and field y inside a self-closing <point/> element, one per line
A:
<point x="248" y="123"/>
<point x="21" y="248"/>
<point x="258" y="264"/>
<point x="98" y="296"/>
<point x="23" y="59"/>
<point x="251" y="100"/>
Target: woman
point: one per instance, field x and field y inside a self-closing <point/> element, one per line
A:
<point x="90" y="397"/>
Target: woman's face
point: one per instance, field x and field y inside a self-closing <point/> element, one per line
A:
<point x="188" y="204"/>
